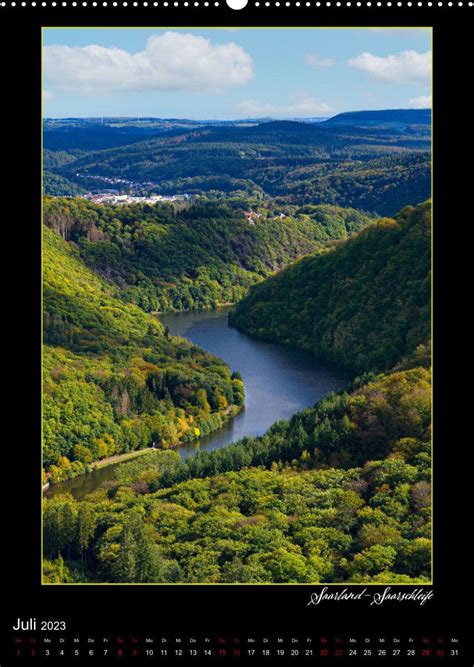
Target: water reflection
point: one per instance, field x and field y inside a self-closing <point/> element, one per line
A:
<point x="279" y="381"/>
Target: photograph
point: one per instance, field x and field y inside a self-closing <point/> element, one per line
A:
<point x="236" y="261"/>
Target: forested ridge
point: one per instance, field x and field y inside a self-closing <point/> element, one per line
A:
<point x="114" y="379"/>
<point x="180" y="257"/>
<point x="364" y="304"/>
<point x="368" y="167"/>
<point x="405" y="118"/>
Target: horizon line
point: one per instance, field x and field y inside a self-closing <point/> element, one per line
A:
<point x="231" y="120"/>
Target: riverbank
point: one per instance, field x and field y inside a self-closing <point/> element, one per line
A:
<point x="201" y="309"/>
<point x="230" y="412"/>
<point x="120" y="457"/>
<point x="279" y="381"/>
<point x="104" y="463"/>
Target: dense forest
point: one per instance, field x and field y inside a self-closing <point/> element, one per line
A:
<point x="364" y="304"/>
<point x="83" y="134"/>
<point x="114" y="379"/>
<point x="371" y="167"/>
<point x="179" y="257"/>
<point x="58" y="186"/>
<point x="339" y="493"/>
<point x="406" y="119"/>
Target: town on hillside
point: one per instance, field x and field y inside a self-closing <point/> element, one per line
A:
<point x="117" y="199"/>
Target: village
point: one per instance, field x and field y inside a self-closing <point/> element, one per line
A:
<point x="116" y="196"/>
<point x="134" y="195"/>
<point x="113" y="198"/>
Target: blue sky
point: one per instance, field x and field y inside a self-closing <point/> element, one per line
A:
<point x="233" y="73"/>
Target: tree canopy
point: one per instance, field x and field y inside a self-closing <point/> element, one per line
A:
<point x="333" y="495"/>
<point x="364" y="304"/>
<point x="114" y="379"/>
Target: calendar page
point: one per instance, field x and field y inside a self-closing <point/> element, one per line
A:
<point x="237" y="432"/>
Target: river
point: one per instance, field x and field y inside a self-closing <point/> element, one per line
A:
<point x="279" y="381"/>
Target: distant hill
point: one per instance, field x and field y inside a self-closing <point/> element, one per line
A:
<point x="94" y="136"/>
<point x="385" y="117"/>
<point x="371" y="167"/>
<point x="365" y="304"/>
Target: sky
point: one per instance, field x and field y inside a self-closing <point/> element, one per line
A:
<point x="233" y="73"/>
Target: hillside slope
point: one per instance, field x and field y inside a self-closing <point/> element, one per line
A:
<point x="114" y="380"/>
<point x="165" y="257"/>
<point x="364" y="304"/>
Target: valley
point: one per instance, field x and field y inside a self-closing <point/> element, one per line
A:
<point x="284" y="437"/>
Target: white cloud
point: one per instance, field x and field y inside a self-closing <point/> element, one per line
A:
<point x="170" y="62"/>
<point x="422" y="102"/>
<point x="317" y="61"/>
<point x="405" y="67"/>
<point x="301" y="106"/>
<point x="47" y="95"/>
